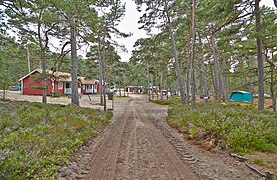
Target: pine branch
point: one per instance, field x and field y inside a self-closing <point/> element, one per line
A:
<point x="231" y="20"/>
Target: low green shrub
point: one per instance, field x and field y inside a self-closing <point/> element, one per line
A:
<point x="239" y="128"/>
<point x="36" y="138"/>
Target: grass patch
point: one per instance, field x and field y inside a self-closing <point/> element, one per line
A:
<point x="235" y="127"/>
<point x="170" y="102"/>
<point x="259" y="162"/>
<point x="37" y="138"/>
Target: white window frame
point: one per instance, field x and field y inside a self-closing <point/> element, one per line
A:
<point x="60" y="85"/>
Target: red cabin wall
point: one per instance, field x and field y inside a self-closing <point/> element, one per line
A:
<point x="56" y="88"/>
<point x="30" y="81"/>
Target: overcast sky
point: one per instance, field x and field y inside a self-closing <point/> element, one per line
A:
<point x="129" y="24"/>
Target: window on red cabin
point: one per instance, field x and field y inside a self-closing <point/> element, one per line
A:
<point x="60" y="85"/>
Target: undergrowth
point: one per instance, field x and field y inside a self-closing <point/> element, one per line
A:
<point x="37" y="138"/>
<point x="235" y="127"/>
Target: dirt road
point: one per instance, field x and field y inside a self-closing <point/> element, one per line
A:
<point x="138" y="144"/>
<point x="136" y="149"/>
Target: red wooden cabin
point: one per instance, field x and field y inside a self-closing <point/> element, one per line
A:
<point x="56" y="83"/>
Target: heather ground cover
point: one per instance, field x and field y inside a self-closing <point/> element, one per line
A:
<point x="235" y="127"/>
<point x="38" y="138"/>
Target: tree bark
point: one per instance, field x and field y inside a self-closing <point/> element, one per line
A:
<point x="212" y="77"/>
<point x="203" y="72"/>
<point x="193" y="86"/>
<point x="272" y="84"/>
<point x="161" y="85"/>
<point x="101" y="75"/>
<point x="74" y="65"/>
<point x="188" y="86"/>
<point x="259" y="57"/>
<point x="216" y="70"/>
<point x="42" y="58"/>
<point x="228" y="88"/>
<point x="28" y="54"/>
<point x="272" y="81"/>
<point x="222" y="86"/>
<point x="223" y="78"/>
<point x="178" y="69"/>
<point x="44" y="87"/>
<point x="104" y="79"/>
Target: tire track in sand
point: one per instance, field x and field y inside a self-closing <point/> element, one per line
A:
<point x="103" y="165"/>
<point x="136" y="149"/>
<point x="165" y="153"/>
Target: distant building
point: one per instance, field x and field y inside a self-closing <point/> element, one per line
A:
<point x="57" y="83"/>
<point x="134" y="89"/>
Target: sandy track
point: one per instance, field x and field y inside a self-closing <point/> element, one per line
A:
<point x="136" y="149"/>
<point x="138" y="144"/>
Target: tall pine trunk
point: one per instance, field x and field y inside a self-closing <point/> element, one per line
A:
<point x="42" y="59"/>
<point x="74" y="65"/>
<point x="178" y="69"/>
<point x="272" y="82"/>
<point x="212" y="77"/>
<point x="193" y="85"/>
<point x="44" y="87"/>
<point x="161" y="85"/>
<point x="101" y="75"/>
<point x="203" y="72"/>
<point x="216" y="70"/>
<point x="259" y="56"/>
<point x="188" y="66"/>
<point x="222" y="86"/>
<point x="104" y="79"/>
<point x="223" y="79"/>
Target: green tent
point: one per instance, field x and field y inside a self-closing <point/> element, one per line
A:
<point x="241" y="96"/>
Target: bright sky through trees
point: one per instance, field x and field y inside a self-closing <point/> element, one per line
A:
<point x="130" y="24"/>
